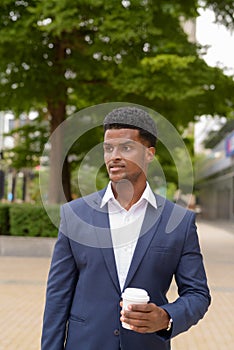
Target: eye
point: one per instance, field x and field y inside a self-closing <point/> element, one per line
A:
<point x="108" y="148"/>
<point x="126" y="148"/>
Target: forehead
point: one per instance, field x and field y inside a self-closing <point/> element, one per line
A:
<point x="124" y="134"/>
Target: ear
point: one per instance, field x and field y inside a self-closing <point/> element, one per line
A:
<point x="150" y="153"/>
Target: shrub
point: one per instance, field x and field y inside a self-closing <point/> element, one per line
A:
<point x="32" y="220"/>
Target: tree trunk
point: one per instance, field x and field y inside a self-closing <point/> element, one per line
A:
<point x="66" y="179"/>
<point x="24" y="186"/>
<point x="2" y="182"/>
<point x="13" y="186"/>
<point x="59" y="176"/>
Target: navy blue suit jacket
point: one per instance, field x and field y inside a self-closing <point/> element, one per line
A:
<point x="82" y="309"/>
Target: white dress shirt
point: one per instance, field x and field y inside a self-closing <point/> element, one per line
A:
<point x="125" y="227"/>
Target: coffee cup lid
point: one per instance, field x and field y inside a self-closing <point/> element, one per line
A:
<point x="135" y="294"/>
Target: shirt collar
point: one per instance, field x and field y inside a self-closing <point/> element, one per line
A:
<point x="148" y="195"/>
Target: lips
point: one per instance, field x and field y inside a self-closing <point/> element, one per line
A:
<point x="116" y="167"/>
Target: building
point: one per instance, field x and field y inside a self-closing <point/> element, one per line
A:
<point x="8" y="175"/>
<point x="215" y="174"/>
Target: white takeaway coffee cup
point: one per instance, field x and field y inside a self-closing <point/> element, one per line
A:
<point x="133" y="296"/>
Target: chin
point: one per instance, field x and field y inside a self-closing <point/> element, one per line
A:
<point x="116" y="178"/>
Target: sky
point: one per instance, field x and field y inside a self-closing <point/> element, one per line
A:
<point x="221" y="41"/>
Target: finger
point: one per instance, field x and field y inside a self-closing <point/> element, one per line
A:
<point x="140" y="326"/>
<point x="135" y="317"/>
<point x="141" y="307"/>
<point x="132" y="315"/>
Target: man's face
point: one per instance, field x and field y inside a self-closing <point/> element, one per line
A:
<point x="126" y="155"/>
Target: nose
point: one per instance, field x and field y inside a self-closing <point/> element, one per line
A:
<point x="116" y="154"/>
<point x="112" y="153"/>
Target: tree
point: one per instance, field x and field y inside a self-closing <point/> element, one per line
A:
<point x="66" y="55"/>
<point x="224" y="11"/>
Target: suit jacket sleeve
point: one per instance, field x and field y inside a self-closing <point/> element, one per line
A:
<point x="194" y="297"/>
<point x="62" y="280"/>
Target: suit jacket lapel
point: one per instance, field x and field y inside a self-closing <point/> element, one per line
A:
<point x="102" y="228"/>
<point x="148" y="230"/>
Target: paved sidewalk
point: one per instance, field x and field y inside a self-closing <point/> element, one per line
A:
<point x="22" y="290"/>
<point x="215" y="331"/>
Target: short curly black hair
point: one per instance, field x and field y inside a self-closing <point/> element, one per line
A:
<point x="132" y="118"/>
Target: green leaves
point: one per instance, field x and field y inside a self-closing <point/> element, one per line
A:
<point x="165" y="62"/>
<point x="85" y="52"/>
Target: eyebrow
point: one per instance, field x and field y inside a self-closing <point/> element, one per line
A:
<point x="121" y="144"/>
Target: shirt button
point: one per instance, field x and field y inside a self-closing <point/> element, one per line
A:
<point x="116" y="332"/>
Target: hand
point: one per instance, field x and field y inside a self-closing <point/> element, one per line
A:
<point x="145" y="318"/>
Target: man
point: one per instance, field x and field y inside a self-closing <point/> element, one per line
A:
<point x="118" y="238"/>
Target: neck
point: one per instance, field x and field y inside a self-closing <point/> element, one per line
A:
<point x="126" y="193"/>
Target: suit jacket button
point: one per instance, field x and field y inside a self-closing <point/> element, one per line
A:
<point x="116" y="332"/>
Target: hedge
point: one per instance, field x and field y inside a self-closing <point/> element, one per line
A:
<point x="28" y="220"/>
